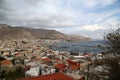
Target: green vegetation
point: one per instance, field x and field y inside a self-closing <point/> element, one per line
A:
<point x="113" y="41"/>
<point x="110" y="59"/>
<point x="12" y="75"/>
<point x="2" y="58"/>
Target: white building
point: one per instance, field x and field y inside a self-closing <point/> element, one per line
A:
<point x="34" y="71"/>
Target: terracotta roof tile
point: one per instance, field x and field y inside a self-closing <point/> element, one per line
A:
<point x="27" y="67"/>
<point x="74" y="67"/>
<point x="6" y="62"/>
<point x="46" y="60"/>
<point x="72" y="62"/>
<point x="54" y="76"/>
<point x="17" y="54"/>
<point x="37" y="59"/>
<point x="60" y="66"/>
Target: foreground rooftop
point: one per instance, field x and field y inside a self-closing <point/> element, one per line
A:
<point x="53" y="76"/>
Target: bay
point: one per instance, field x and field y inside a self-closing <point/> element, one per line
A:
<point x="81" y="47"/>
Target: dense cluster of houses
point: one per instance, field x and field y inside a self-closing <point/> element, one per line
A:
<point x="40" y="62"/>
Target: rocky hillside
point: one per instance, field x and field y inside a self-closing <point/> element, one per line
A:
<point x="7" y="32"/>
<point x="76" y="38"/>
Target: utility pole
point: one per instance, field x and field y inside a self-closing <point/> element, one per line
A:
<point x="88" y="69"/>
<point x="0" y="69"/>
<point x="0" y="64"/>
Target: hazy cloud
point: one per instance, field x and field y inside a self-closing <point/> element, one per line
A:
<point x="70" y="16"/>
<point x="97" y="3"/>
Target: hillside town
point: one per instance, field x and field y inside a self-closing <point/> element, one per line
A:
<point x="37" y="61"/>
<point x="59" y="39"/>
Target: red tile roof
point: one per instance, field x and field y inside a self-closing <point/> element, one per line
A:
<point x="54" y="76"/>
<point x="73" y="65"/>
<point x="37" y="59"/>
<point x="27" y="67"/>
<point x="6" y="62"/>
<point x="71" y="62"/>
<point x="46" y="60"/>
<point x="60" y="66"/>
<point x="17" y="54"/>
<point x="58" y="59"/>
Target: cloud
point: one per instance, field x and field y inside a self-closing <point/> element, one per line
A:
<point x="97" y="3"/>
<point x="92" y="27"/>
<point x="105" y="15"/>
<point x="51" y="14"/>
<point x="33" y="2"/>
<point x="80" y="16"/>
<point x="4" y="10"/>
<point x="94" y="31"/>
<point x="43" y="21"/>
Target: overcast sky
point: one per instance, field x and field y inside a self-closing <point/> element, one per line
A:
<point x="91" y="18"/>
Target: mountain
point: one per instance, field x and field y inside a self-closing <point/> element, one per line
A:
<point x="78" y="37"/>
<point x="7" y="32"/>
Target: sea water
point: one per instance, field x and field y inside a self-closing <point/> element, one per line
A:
<point x="90" y="46"/>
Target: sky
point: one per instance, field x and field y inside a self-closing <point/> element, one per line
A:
<point x="90" y="18"/>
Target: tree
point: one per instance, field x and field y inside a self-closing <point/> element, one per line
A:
<point x="13" y="75"/>
<point x="2" y="58"/>
<point x="113" y="46"/>
<point x="113" y="41"/>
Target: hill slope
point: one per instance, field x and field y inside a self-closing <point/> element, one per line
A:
<point x="7" y="32"/>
